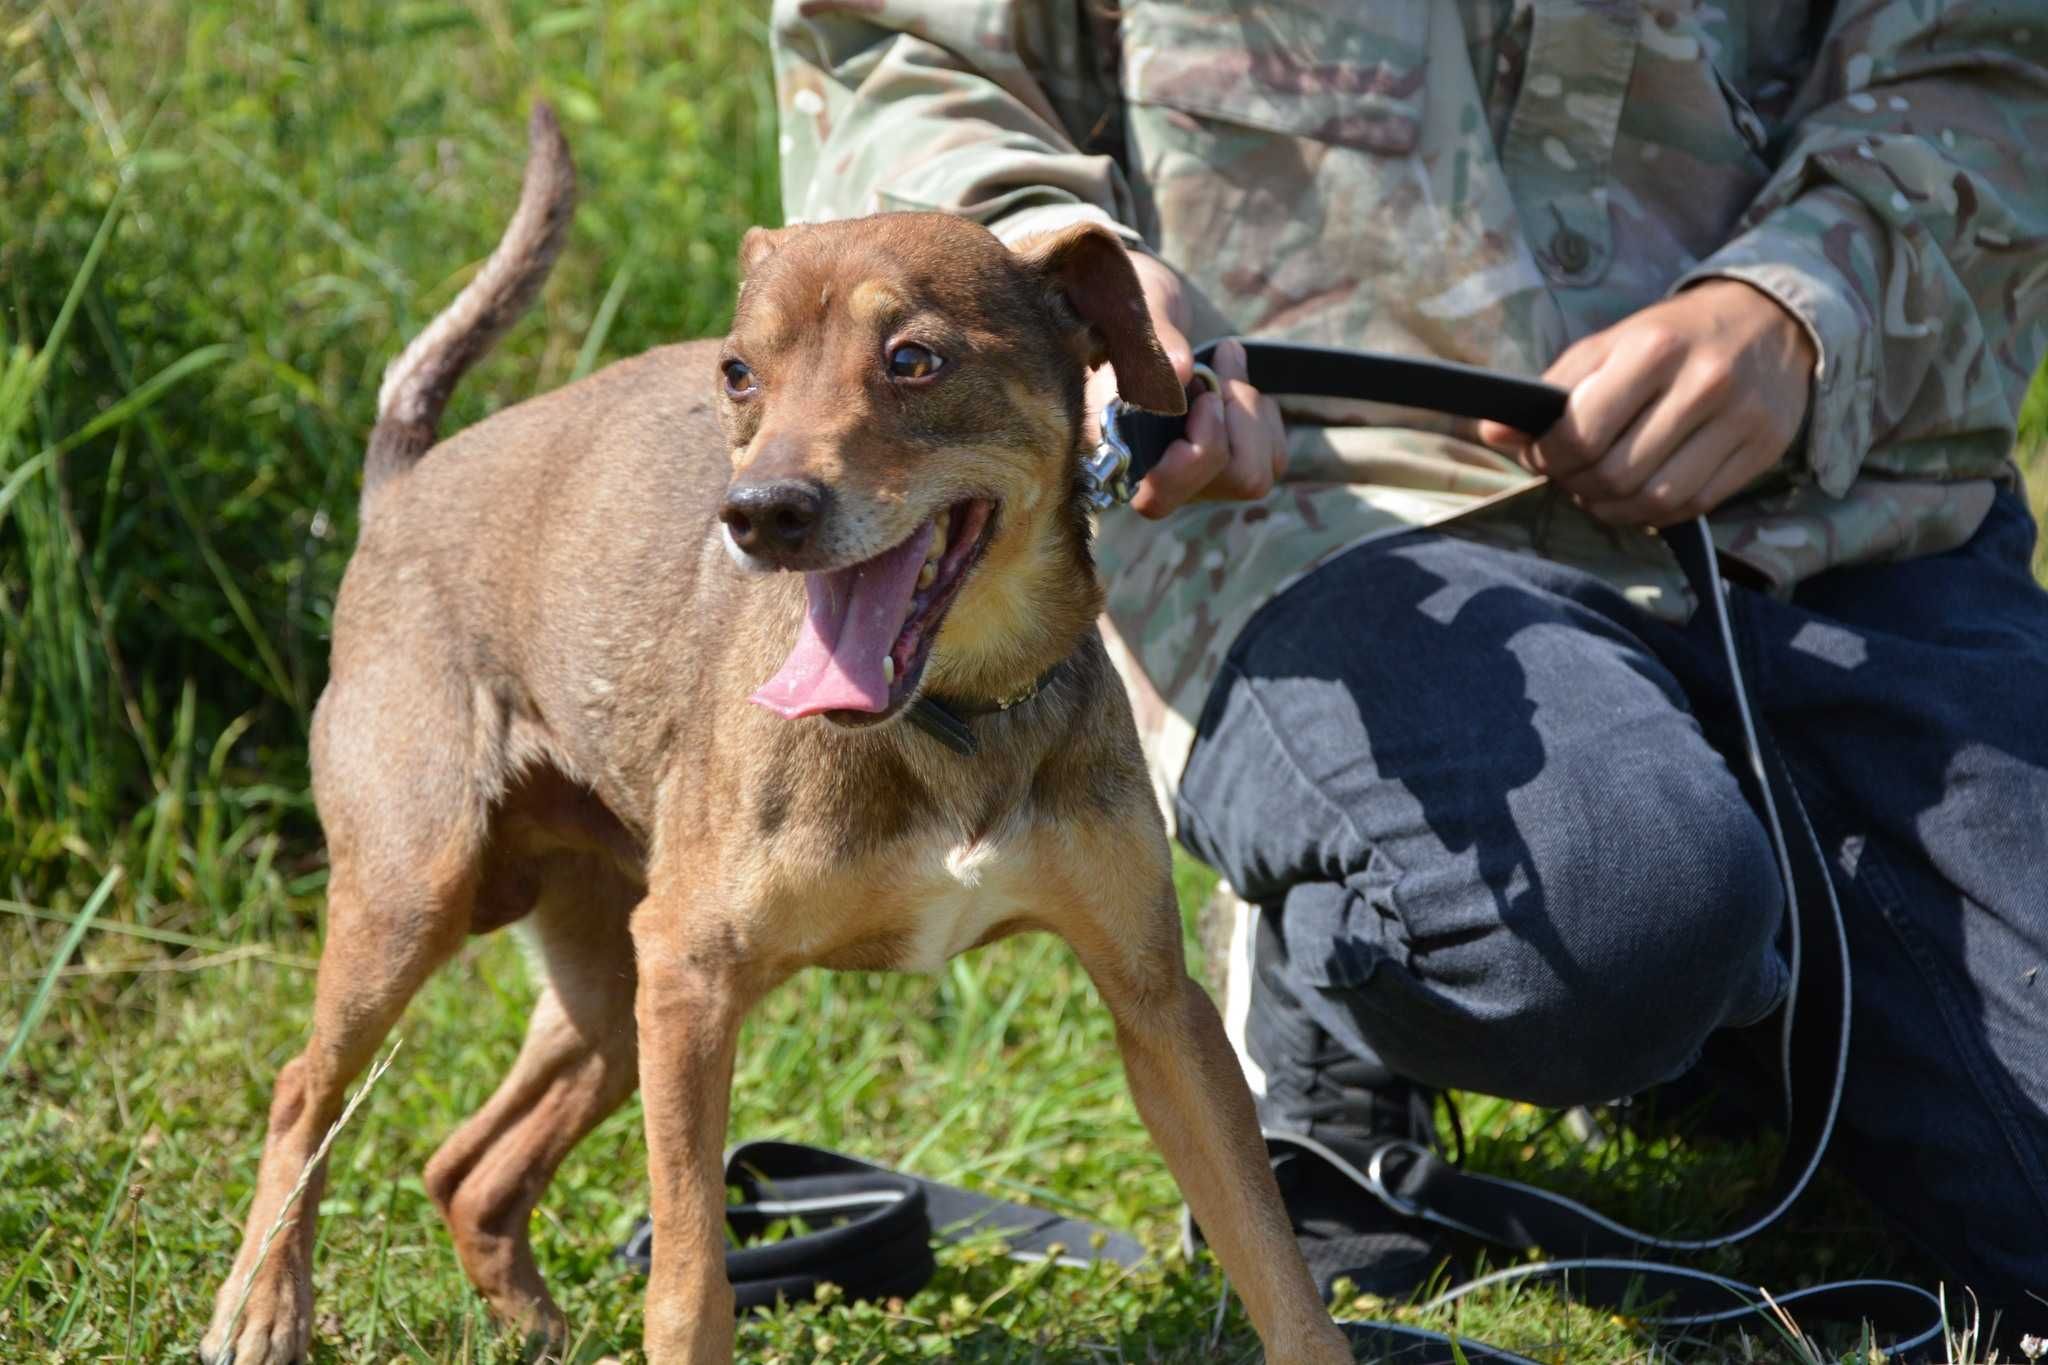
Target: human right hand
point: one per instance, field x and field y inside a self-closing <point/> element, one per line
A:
<point x="1674" y="409"/>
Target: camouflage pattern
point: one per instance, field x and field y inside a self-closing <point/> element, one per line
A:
<point x="1486" y="181"/>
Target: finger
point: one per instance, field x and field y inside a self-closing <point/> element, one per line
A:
<point x="1750" y="463"/>
<point x="1504" y="438"/>
<point x="1276" y="433"/>
<point x="1702" y="393"/>
<point x="1190" y="464"/>
<point x="1181" y="474"/>
<point x="1249" y="472"/>
<point x="1229" y="362"/>
<point x="1668" y="492"/>
<point x="1651" y="442"/>
<point x="1577" y="361"/>
<point x="1208" y="427"/>
<point x="1582" y="357"/>
<point x="1606" y="402"/>
<point x="1163" y="300"/>
<point x="1249" y="466"/>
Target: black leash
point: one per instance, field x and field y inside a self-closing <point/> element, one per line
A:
<point x="874" y="1226"/>
<point x="1610" y="1260"/>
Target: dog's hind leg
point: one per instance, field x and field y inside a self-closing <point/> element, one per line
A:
<point x="364" y="985"/>
<point x="404" y="831"/>
<point x="578" y="1064"/>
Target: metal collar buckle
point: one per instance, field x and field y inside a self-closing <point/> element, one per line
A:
<point x="1106" y="472"/>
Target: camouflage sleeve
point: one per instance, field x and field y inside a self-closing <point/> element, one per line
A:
<point x="976" y="107"/>
<point x="1903" y="224"/>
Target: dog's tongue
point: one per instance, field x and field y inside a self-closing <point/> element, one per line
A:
<point x="853" y="619"/>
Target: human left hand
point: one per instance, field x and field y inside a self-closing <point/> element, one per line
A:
<point x="1675" y="409"/>
<point x="1235" y="447"/>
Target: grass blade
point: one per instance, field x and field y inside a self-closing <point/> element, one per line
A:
<point x="29" y="1262"/>
<point x="88" y="1272"/>
<point x="147" y="393"/>
<point x="33" y="1015"/>
<point x="601" y="325"/>
<point x="19" y="479"/>
<point x="154" y="935"/>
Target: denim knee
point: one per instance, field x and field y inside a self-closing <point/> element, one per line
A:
<point x="1688" y="948"/>
<point x="1646" y="931"/>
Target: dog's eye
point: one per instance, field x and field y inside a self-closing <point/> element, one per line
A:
<point x="911" y="361"/>
<point x="739" y="380"/>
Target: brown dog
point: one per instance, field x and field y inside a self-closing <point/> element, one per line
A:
<point x="544" y="653"/>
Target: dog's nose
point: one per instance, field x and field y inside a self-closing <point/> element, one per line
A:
<point x="773" y="519"/>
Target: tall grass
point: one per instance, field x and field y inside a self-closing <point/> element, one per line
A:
<point x="217" y="221"/>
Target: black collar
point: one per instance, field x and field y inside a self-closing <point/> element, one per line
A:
<point x="946" y="719"/>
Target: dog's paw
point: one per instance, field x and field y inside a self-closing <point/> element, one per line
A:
<point x="275" y="1327"/>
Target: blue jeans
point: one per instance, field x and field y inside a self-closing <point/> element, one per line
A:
<point x="1488" y="798"/>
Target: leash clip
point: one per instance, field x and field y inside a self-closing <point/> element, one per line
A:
<point x="1106" y="473"/>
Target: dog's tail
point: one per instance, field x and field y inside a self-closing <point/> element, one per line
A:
<point x="417" y="384"/>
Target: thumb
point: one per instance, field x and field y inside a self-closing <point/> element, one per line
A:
<point x="1179" y="353"/>
<point x="1166" y="305"/>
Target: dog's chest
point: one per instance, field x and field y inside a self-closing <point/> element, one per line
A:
<point x="961" y="892"/>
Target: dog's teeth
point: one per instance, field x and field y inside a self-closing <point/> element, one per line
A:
<point x="938" y="544"/>
<point x="928" y="575"/>
<point x="888" y="669"/>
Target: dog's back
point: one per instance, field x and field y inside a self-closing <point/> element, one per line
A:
<point x="543" y="560"/>
<point x="536" y="532"/>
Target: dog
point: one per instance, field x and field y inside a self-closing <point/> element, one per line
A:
<point x="555" y="698"/>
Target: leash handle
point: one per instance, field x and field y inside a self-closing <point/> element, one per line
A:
<point x="1134" y="440"/>
<point x="868" y="1229"/>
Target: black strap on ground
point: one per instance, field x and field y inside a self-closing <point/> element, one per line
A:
<point x="871" y="1228"/>
<point x="868" y="1229"/>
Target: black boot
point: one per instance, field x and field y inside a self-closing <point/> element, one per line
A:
<point x="1313" y="1088"/>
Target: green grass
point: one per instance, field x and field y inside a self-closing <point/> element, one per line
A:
<point x="217" y="220"/>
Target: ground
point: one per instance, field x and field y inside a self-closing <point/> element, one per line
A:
<point x="216" y="221"/>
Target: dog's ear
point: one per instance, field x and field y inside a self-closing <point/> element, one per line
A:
<point x="1089" y="272"/>
<point x="759" y="244"/>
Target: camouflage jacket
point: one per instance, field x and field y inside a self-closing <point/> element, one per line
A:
<point x="1486" y="181"/>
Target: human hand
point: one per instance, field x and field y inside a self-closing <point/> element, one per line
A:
<point x="1235" y="447"/>
<point x="1675" y="409"/>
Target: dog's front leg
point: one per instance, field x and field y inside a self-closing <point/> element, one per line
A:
<point x="1192" y="1096"/>
<point x="692" y="995"/>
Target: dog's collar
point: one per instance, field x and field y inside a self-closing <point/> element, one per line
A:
<point x="947" y="719"/>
